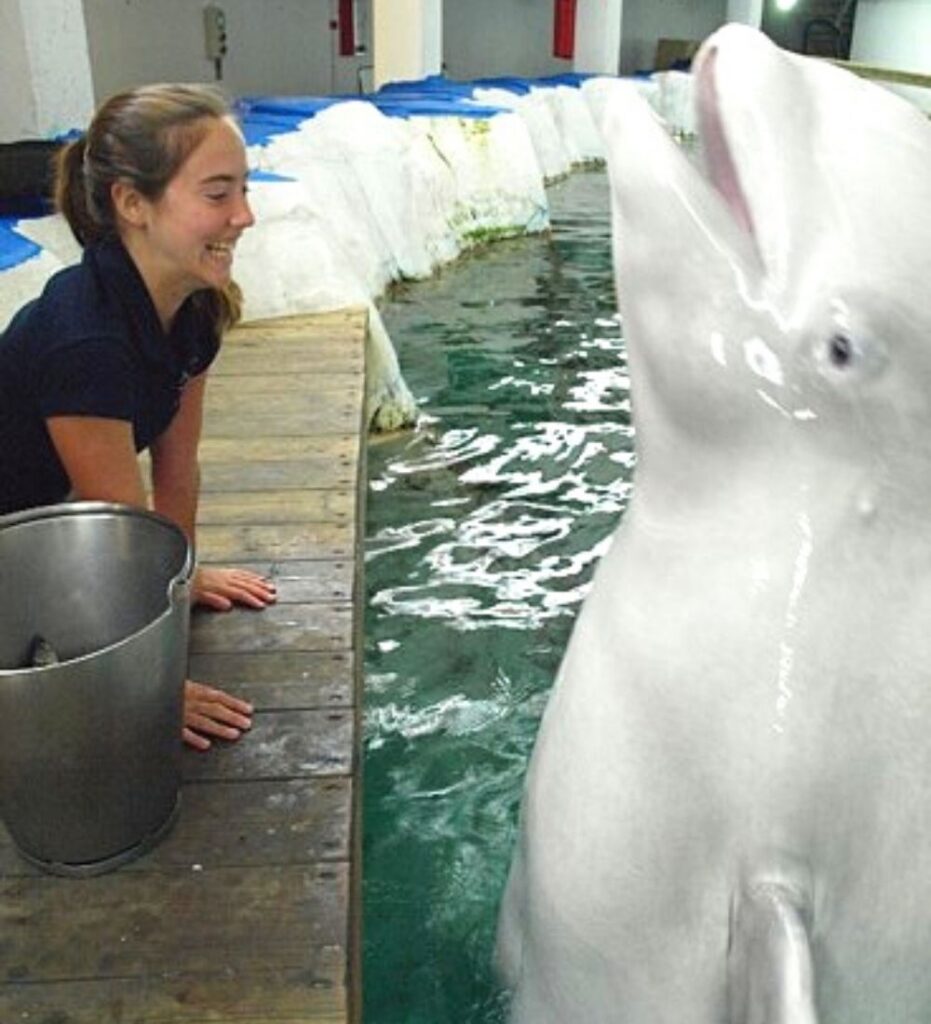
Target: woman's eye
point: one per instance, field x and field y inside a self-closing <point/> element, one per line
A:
<point x="840" y="350"/>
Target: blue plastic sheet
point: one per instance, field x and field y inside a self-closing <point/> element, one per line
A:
<point x="572" y="78"/>
<point x="14" y="248"/>
<point x="408" y="105"/>
<point x="269" y="176"/>
<point x="263" y="117"/>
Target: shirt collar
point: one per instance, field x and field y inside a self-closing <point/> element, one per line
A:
<point x="120" y="278"/>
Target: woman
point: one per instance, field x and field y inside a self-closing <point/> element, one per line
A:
<point x="112" y="357"/>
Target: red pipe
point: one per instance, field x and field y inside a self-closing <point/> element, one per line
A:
<point x="347" y="29"/>
<point x="564" y="29"/>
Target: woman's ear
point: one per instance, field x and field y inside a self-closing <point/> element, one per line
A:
<point x="129" y="205"/>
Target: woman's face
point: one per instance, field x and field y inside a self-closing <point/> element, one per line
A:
<point x="192" y="228"/>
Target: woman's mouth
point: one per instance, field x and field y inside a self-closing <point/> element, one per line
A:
<point x="222" y="251"/>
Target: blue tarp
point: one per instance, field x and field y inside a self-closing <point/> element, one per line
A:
<point x="14" y="248"/>
<point x="410" y="105"/>
<point x="269" y="176"/>
<point x="300" y="107"/>
<point x="265" y="116"/>
<point x="519" y="86"/>
<point x="431" y="84"/>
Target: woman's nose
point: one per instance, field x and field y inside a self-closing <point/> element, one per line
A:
<point x="243" y="217"/>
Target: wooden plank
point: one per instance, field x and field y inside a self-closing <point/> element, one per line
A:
<point x="259" y="356"/>
<point x="232" y="388"/>
<point x="156" y="923"/>
<point x="300" y="541"/>
<point x="280" y="627"/>
<point x="330" y="320"/>
<point x="275" y="463"/>
<point x="295" y="506"/>
<point x="223" y="997"/>
<point x="280" y="745"/>
<point x="351" y="318"/>
<point x="277" y="475"/>
<point x="285" y="404"/>
<point x="241" y="824"/>
<point x="306" y="582"/>
<point x="280" y="679"/>
<point x="321" y="418"/>
<point x="339" y="448"/>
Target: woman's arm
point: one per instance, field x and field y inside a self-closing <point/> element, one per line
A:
<point x="175" y="491"/>
<point x="99" y="457"/>
<point x="175" y="471"/>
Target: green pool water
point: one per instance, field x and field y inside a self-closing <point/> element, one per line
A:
<point x="483" y="530"/>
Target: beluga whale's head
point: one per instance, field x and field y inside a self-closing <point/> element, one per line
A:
<point x="775" y="285"/>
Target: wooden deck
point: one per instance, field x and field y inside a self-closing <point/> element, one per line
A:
<point x="248" y="911"/>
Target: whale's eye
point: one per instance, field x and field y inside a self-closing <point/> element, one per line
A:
<point x="840" y="350"/>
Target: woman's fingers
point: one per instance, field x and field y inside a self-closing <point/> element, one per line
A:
<point x="212" y="712"/>
<point x="220" y="589"/>
<point x="195" y="740"/>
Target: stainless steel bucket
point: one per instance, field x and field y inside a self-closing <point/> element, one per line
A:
<point x="90" y="747"/>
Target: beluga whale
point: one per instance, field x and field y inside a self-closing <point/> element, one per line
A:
<point x="727" y="812"/>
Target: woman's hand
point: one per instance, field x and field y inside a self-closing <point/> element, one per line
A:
<point x="220" y="589"/>
<point x="213" y="712"/>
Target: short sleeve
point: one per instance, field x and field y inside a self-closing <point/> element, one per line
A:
<point x="200" y="340"/>
<point x="91" y="377"/>
<point x="204" y="351"/>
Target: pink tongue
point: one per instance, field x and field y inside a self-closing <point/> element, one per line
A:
<point x="721" y="167"/>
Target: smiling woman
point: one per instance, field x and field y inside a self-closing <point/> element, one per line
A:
<point x="112" y="357"/>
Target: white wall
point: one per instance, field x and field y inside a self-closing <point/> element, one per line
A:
<point x="275" y="46"/>
<point x="408" y="39"/>
<point x="45" y="73"/>
<point x="747" y="12"/>
<point x="598" y="36"/>
<point x="647" y="21"/>
<point x="499" y="37"/>
<point x="18" y="109"/>
<point x="895" y="34"/>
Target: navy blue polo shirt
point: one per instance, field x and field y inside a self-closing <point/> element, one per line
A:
<point x="90" y="345"/>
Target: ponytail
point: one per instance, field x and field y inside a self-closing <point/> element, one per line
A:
<point x="222" y="305"/>
<point x="71" y="198"/>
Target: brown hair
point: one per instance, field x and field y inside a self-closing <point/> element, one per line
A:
<point x="142" y="136"/>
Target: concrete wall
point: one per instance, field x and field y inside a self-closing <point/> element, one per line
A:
<point x="275" y="46"/>
<point x="895" y="34"/>
<point x="647" y="21"/>
<point x="499" y="37"/>
<point x="408" y="40"/>
<point x="18" y="110"/>
<point x="44" y="68"/>
<point x="598" y="36"/>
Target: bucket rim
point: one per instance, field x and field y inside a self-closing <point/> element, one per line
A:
<point x="86" y="508"/>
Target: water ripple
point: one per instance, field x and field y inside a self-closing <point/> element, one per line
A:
<point x="483" y="531"/>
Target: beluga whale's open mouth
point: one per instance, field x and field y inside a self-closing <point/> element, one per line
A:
<point x="719" y="163"/>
